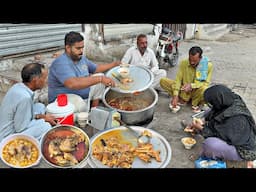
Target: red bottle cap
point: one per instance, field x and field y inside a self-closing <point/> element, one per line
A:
<point x="62" y="100"/>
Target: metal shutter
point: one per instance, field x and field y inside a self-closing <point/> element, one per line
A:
<point x="120" y="31"/>
<point x="23" y="38"/>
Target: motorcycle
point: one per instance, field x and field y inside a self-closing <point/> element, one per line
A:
<point x="167" y="50"/>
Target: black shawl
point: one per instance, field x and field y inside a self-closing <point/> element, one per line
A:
<point x="230" y="120"/>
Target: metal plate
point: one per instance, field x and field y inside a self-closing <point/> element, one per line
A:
<point x="158" y="141"/>
<point x="141" y="76"/>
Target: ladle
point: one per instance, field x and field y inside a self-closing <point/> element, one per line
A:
<point x="142" y="139"/>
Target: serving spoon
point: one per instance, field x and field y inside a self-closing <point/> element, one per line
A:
<point x="142" y="139"/>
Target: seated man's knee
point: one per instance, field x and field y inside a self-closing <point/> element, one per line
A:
<point x="163" y="81"/>
<point x="203" y="88"/>
<point x="163" y="73"/>
<point x="39" y="108"/>
<point x="47" y="126"/>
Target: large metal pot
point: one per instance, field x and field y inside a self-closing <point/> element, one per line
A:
<point x="137" y="117"/>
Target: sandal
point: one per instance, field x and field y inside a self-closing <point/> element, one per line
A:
<point x="174" y="110"/>
<point x="182" y="103"/>
<point x="196" y="109"/>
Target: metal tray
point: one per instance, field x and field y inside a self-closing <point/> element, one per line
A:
<point x="141" y="76"/>
<point x="158" y="141"/>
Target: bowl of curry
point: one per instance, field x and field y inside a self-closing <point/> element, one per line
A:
<point x="65" y="146"/>
<point x="20" y="151"/>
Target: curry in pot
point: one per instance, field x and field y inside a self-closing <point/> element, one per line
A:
<point x="129" y="103"/>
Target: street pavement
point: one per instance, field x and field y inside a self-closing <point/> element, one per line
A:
<point x="234" y="60"/>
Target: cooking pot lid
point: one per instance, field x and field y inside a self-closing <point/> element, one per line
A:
<point x="142" y="78"/>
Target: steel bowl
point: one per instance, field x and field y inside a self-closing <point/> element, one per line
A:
<point x="35" y="151"/>
<point x="63" y="131"/>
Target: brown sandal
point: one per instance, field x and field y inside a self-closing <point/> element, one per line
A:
<point x="196" y="109"/>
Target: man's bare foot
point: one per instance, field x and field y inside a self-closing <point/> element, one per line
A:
<point x="95" y="102"/>
<point x="180" y="102"/>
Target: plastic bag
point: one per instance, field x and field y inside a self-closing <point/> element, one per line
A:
<point x="204" y="162"/>
<point x="102" y="118"/>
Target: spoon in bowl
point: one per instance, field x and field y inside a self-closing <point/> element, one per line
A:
<point x="142" y="139"/>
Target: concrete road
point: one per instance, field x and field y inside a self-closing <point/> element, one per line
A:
<point x="234" y="60"/>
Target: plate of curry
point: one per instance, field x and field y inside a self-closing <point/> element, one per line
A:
<point x="118" y="148"/>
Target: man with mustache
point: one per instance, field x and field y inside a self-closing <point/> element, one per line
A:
<point x="72" y="73"/>
<point x="144" y="56"/>
<point x="18" y="111"/>
<point x="193" y="77"/>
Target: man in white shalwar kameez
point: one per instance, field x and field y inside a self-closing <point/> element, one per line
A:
<point x="144" y="56"/>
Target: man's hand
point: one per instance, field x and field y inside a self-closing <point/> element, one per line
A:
<point x="50" y="119"/>
<point x="117" y="63"/>
<point x="197" y="124"/>
<point x="108" y="81"/>
<point x="186" y="87"/>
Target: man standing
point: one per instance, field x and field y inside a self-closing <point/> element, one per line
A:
<point x="18" y="113"/>
<point x="71" y="73"/>
<point x="143" y="55"/>
<point x="193" y="77"/>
